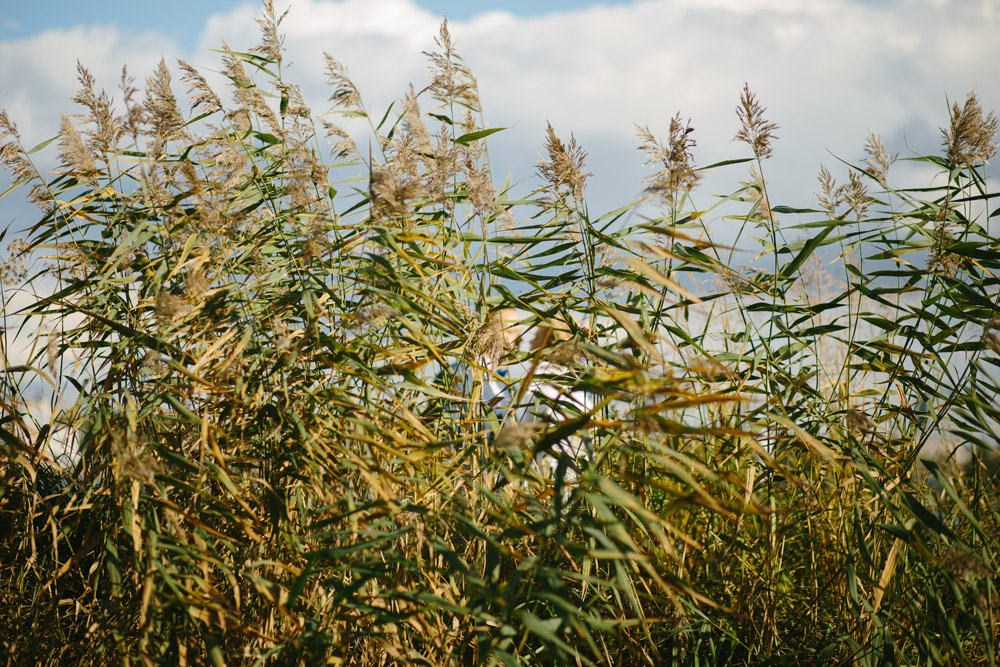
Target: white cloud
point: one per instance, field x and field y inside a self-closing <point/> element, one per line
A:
<point x="380" y="41"/>
<point x="38" y="73"/>
<point x="827" y="70"/>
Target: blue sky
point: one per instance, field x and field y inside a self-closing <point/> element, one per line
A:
<point x="24" y="19"/>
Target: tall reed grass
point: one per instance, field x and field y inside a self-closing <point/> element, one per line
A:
<point x="279" y="457"/>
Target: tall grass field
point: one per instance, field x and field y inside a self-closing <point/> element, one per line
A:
<point x="313" y="387"/>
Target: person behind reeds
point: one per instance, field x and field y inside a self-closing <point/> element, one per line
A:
<point x="480" y="380"/>
<point x="547" y="403"/>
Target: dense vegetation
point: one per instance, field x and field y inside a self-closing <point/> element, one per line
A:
<point x="260" y="364"/>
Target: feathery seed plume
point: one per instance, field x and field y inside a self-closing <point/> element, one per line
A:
<point x="755" y="131"/>
<point x="491" y="339"/>
<point x="161" y="107"/>
<point x="677" y="176"/>
<point x="202" y="94"/>
<point x="879" y="159"/>
<point x="858" y="422"/>
<point x="941" y="259"/>
<point x="104" y="137"/>
<point x="452" y="79"/>
<point x="478" y="181"/>
<point x="271" y="40"/>
<point x="513" y="437"/>
<point x="134" y="116"/>
<point x="971" y="136"/>
<point x="762" y="208"/>
<point x="831" y="196"/>
<point x="249" y="97"/>
<point x="855" y="195"/>
<point x="14" y="270"/>
<point x="73" y="152"/>
<point x="345" y="94"/>
<point x="295" y="104"/>
<point x="15" y="161"/>
<point x="413" y="124"/>
<point x="563" y="170"/>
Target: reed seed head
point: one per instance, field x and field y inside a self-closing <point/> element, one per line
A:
<point x="755" y="130"/>
<point x="563" y="168"/>
<point x="202" y="95"/>
<point x="676" y="176"/>
<point x="971" y="135"/>
<point x="452" y="80"/>
<point x="879" y="158"/>
<point x="494" y="337"/>
<point x="161" y="107"/>
<point x="763" y="213"/>
<point x="73" y="152"/>
<point x="15" y="161"/>
<point x="345" y="94"/>
<point x="133" y="117"/>
<point x="103" y="138"/>
<point x="413" y="124"/>
<point x="941" y="259"/>
<point x="514" y="437"/>
<point x="858" y="422"/>
<point x="830" y="196"/>
<point x="855" y="195"/>
<point x="249" y="98"/>
<point x="271" y="39"/>
<point x="14" y="269"/>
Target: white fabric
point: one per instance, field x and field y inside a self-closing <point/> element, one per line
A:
<point x="553" y="404"/>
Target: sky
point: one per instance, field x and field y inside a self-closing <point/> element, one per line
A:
<point x="176" y="18"/>
<point x="827" y="70"/>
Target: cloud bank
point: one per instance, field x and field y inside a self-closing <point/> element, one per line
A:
<point x="828" y="70"/>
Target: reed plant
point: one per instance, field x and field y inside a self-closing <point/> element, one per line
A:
<point x="261" y="331"/>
